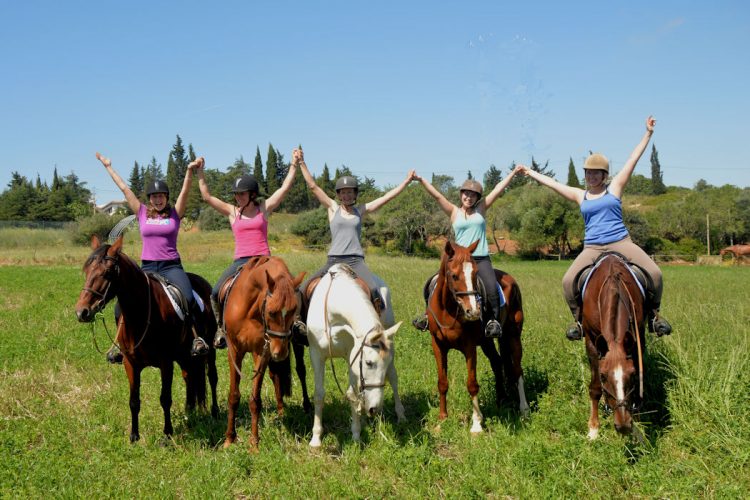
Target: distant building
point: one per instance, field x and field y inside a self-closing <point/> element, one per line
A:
<point x="111" y="207"/>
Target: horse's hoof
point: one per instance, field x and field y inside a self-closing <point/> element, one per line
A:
<point x="593" y="434"/>
<point x="227" y="443"/>
<point x="134" y="437"/>
<point x="315" y="443"/>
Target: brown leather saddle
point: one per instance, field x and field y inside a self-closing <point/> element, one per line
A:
<point x="645" y="281"/>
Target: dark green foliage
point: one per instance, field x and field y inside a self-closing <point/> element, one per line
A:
<point x="325" y="182"/>
<point x="492" y="177"/>
<point x="258" y="165"/>
<point x="573" y="180"/>
<point x="135" y="182"/>
<point x="638" y="184"/>
<point x="151" y="173"/>
<point x="657" y="183"/>
<point x="98" y="224"/>
<point x="176" y="168"/>
<point x="271" y="183"/>
<point x="299" y="198"/>
<point x="313" y="227"/>
<point x="23" y="200"/>
<point x="211" y="220"/>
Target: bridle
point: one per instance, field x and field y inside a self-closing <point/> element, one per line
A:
<point x="456" y="298"/>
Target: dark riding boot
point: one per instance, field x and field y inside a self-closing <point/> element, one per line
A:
<point x="421" y="323"/>
<point x="114" y="355"/>
<point x="220" y="338"/>
<point x="199" y="347"/>
<point x="299" y="328"/>
<point x="657" y="324"/>
<point x="493" y="329"/>
<point x="575" y="330"/>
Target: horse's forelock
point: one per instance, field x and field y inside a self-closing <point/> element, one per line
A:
<point x="96" y="255"/>
<point x="282" y="296"/>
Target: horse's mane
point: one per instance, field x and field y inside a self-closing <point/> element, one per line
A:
<point x="283" y="295"/>
<point x="618" y="292"/>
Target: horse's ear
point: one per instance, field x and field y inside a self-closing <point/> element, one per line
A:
<point x="271" y="282"/>
<point x="473" y="246"/>
<point x="117" y="246"/>
<point x="95" y="243"/>
<point x="389" y="333"/>
<point x="449" y="250"/>
<point x="298" y="280"/>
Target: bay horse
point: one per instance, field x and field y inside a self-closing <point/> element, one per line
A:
<point x="736" y="251"/>
<point x="259" y="310"/>
<point x="614" y="322"/>
<point x="343" y="323"/>
<point x="149" y="331"/>
<point x="454" y="315"/>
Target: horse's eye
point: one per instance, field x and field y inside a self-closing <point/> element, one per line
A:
<point x="369" y="364"/>
<point x="454" y="276"/>
<point x="604" y="377"/>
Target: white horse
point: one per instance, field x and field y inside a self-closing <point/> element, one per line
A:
<point x="342" y="323"/>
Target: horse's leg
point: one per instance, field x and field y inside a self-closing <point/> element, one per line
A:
<point x="233" y="401"/>
<point x="318" y="365"/>
<point x="299" y="365"/>
<point x="356" y="407"/>
<point x="134" y="380"/>
<point x="514" y="370"/>
<point x="260" y="363"/>
<point x="473" y="388"/>
<point x="190" y="392"/>
<point x="441" y="359"/>
<point x="496" y="363"/>
<point x="276" y="380"/>
<point x="213" y="379"/>
<point x="392" y="376"/>
<point x="595" y="390"/>
<point x="167" y="372"/>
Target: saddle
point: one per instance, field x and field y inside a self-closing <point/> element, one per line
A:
<point x="226" y="287"/>
<point x="178" y="300"/>
<point x="644" y="280"/>
<point x="376" y="300"/>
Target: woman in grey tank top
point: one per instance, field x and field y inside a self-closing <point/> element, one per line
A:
<point x="345" y="220"/>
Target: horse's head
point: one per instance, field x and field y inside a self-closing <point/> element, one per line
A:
<point x="369" y="363"/>
<point x="279" y="308"/>
<point x="101" y="269"/>
<point x="460" y="273"/>
<point x="618" y="375"/>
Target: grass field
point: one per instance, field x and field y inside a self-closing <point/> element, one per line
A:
<point x="64" y="417"/>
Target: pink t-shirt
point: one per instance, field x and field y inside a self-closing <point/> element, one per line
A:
<point x="250" y="236"/>
<point x="159" y="235"/>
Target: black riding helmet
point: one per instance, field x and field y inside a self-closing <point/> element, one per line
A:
<point x="347" y="181"/>
<point x="245" y="183"/>
<point x="157" y="186"/>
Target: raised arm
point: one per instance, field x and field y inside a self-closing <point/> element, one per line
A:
<point x="619" y="181"/>
<point x="181" y="204"/>
<point x="379" y="202"/>
<point x="220" y="206"/>
<point x="443" y="202"/>
<point x="133" y="202"/>
<point x="273" y="201"/>
<point x="568" y="192"/>
<point x="321" y="195"/>
<point x="499" y="188"/>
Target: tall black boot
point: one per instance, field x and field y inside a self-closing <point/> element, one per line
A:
<point x="220" y="339"/>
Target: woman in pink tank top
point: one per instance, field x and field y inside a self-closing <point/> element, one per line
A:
<point x="248" y="218"/>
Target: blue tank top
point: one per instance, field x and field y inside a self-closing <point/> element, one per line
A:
<point x="603" y="220"/>
<point x="470" y="229"/>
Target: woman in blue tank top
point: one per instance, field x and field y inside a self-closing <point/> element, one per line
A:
<point x="469" y="225"/>
<point x="601" y="207"/>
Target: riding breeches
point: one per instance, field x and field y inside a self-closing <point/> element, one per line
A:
<point x="625" y="247"/>
<point x="226" y="274"/>
<point x="486" y="273"/>
<point x="357" y="263"/>
<point x="174" y="273"/>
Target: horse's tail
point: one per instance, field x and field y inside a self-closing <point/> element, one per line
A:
<point x="282" y="370"/>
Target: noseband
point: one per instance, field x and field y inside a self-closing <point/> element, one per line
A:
<point x="103" y="300"/>
<point x="267" y="332"/>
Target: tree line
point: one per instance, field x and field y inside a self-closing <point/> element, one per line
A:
<point x="663" y="220"/>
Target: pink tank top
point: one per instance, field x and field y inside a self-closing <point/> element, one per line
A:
<point x="250" y="236"/>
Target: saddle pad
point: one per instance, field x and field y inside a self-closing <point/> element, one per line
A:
<point x="173" y="301"/>
<point x="635" y="277"/>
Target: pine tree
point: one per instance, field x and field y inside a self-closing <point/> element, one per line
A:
<point x="492" y="177"/>
<point x="325" y="182"/>
<point x="657" y="182"/>
<point x="55" y="180"/>
<point x="282" y="169"/>
<point x="271" y="183"/>
<point x="258" y="166"/>
<point x="152" y="172"/>
<point x="518" y="180"/>
<point x="573" y="180"/>
<point x="136" y="179"/>
<point x="176" y="168"/>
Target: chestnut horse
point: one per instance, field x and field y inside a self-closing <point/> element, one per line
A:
<point x="736" y="251"/>
<point x="259" y="310"/>
<point x="614" y="324"/>
<point x="149" y="331"/>
<point x="454" y="317"/>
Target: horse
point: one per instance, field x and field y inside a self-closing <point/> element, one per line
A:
<point x="343" y="323"/>
<point x="259" y="309"/>
<point x="454" y="315"/>
<point x="736" y="251"/>
<point x="614" y="322"/>
<point x="149" y="331"/>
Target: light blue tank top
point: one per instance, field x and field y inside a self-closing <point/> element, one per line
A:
<point x="470" y="229"/>
<point x="345" y="234"/>
<point x="603" y="220"/>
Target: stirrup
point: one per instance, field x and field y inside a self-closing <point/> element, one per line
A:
<point x="114" y="355"/>
<point x="493" y="329"/>
<point x="660" y="326"/>
<point x="200" y="348"/>
<point x="421" y="323"/>
<point x="575" y="331"/>
<point x="299" y="328"/>
<point x="220" y="339"/>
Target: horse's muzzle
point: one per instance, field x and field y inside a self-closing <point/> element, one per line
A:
<point x="85" y="315"/>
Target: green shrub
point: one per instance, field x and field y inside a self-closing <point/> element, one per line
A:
<point x="99" y="224"/>
<point x="313" y="227"/>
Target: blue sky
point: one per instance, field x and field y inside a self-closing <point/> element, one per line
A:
<point x="382" y="87"/>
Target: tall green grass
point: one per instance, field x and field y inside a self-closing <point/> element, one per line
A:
<point x="64" y="417"/>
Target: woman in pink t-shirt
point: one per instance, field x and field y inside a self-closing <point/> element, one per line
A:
<point x="248" y="218"/>
<point x="159" y="224"/>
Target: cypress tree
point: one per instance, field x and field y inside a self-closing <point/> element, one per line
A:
<point x="258" y="166"/>
<point x="271" y="182"/>
<point x="176" y="168"/>
<point x="136" y="179"/>
<point x="573" y="180"/>
<point x="657" y="183"/>
<point x="492" y="177"/>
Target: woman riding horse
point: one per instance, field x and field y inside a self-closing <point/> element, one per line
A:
<point x="469" y="225"/>
<point x="601" y="207"/>
<point x="248" y="219"/>
<point x="345" y="220"/>
<point x="159" y="224"/>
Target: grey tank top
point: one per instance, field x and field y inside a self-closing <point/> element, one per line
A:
<point x="345" y="234"/>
